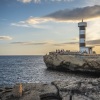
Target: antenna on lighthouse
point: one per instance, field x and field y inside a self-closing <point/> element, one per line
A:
<point x="82" y="20"/>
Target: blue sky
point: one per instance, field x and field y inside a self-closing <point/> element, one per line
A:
<point x="35" y="27"/>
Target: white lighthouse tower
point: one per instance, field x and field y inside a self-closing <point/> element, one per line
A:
<point x="82" y="34"/>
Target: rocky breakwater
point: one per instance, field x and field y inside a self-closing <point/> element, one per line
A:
<point x="73" y="63"/>
<point x="57" y="90"/>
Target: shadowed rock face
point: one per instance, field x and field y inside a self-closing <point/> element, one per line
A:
<point x="72" y="63"/>
<point x="57" y="90"/>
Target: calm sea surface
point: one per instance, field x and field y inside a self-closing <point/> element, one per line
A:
<point x="15" y="69"/>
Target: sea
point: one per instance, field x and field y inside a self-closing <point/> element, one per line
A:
<point x="30" y="69"/>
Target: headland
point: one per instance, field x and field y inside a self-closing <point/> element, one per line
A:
<point x="84" y="60"/>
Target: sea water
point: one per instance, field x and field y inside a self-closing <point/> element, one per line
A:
<point x="29" y="69"/>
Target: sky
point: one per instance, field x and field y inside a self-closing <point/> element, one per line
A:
<point x="36" y="27"/>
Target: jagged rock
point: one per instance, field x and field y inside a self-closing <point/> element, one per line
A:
<point x="79" y="90"/>
<point x="72" y="63"/>
<point x="32" y="91"/>
<point x="39" y="91"/>
<point x="82" y="89"/>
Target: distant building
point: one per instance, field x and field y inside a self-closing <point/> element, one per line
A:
<point x="82" y="41"/>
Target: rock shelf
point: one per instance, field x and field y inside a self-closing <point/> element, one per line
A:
<point x="73" y="63"/>
<point x="57" y="90"/>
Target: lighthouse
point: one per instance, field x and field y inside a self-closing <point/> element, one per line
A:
<point x="82" y="38"/>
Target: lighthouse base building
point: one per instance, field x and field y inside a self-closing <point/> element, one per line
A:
<point x="86" y="50"/>
<point x="82" y="42"/>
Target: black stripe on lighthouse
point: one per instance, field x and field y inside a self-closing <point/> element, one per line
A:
<point x="82" y="36"/>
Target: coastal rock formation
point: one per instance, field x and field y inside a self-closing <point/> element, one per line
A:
<point x="79" y="90"/>
<point x="73" y="62"/>
<point x="30" y="91"/>
<point x="57" y="90"/>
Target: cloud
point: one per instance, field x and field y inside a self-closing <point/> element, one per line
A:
<point x="32" y="22"/>
<point x="36" y="20"/>
<point x="93" y="30"/>
<point x="28" y="1"/>
<point x="77" y="14"/>
<point x="75" y="38"/>
<point x="90" y="42"/>
<point x="5" y="38"/>
<point x="43" y="43"/>
<point x="38" y="1"/>
<point x="94" y="42"/>
<point x="29" y="43"/>
<point x="19" y="24"/>
<point x="51" y="42"/>
<point x="87" y="13"/>
<point x="91" y="2"/>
